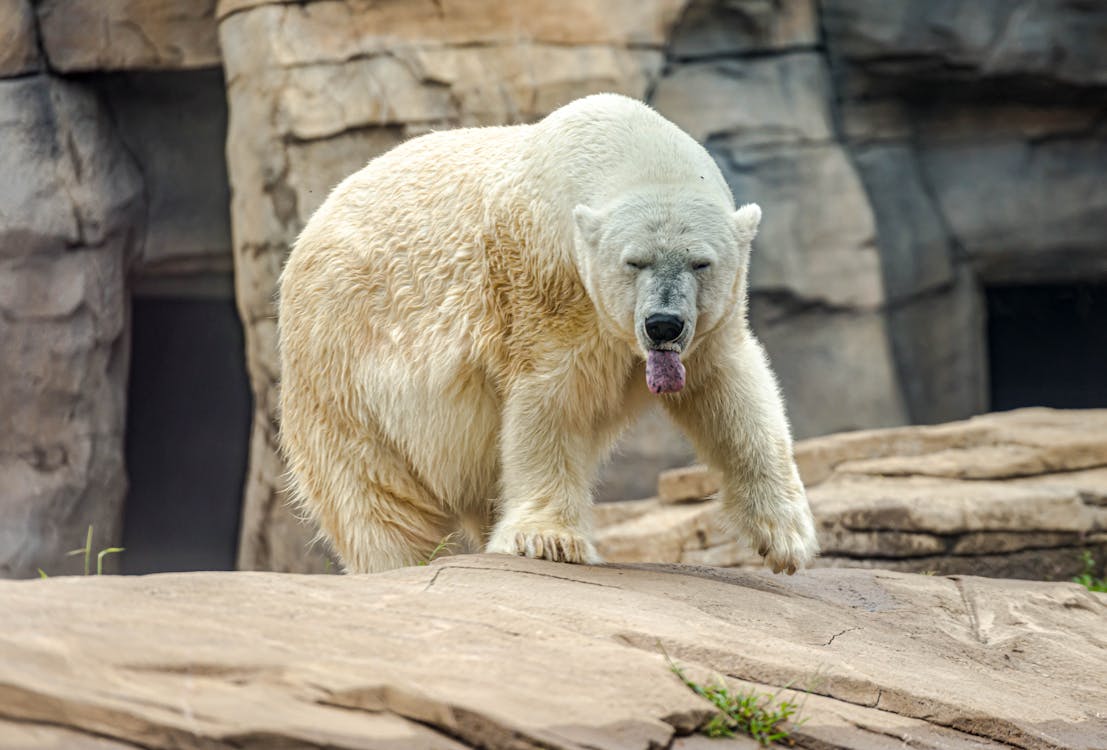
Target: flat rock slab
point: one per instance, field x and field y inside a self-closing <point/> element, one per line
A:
<point x="501" y="652"/>
<point x="1016" y="494"/>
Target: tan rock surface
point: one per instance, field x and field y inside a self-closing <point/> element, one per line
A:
<point x="1014" y="494"/>
<point x="18" y="45"/>
<point x="688" y="483"/>
<point x="128" y="34"/>
<point x="497" y="652"/>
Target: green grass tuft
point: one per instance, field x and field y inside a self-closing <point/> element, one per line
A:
<point x="758" y="715"/>
<point x="1087" y="579"/>
<point x="443" y="546"/>
<point x="87" y="552"/>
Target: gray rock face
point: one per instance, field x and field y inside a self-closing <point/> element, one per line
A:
<point x="977" y="131"/>
<point x="497" y="652"/>
<point x="70" y="218"/>
<point x="1023" y="210"/>
<point x="18" y="45"/>
<point x="175" y="125"/>
<point x="1058" y="42"/>
<point x="859" y="390"/>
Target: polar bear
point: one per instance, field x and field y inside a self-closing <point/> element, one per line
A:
<point x="467" y="324"/>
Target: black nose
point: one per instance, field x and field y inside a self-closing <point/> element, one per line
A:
<point x="664" y="328"/>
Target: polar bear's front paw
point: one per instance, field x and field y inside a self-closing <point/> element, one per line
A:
<point x="558" y="545"/>
<point x="785" y="536"/>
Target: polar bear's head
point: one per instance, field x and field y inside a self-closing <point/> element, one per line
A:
<point x="661" y="265"/>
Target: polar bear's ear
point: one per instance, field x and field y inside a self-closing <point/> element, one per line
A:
<point x="746" y="220"/>
<point x="589" y="223"/>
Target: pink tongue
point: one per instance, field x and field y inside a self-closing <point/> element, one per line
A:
<point x="664" y="372"/>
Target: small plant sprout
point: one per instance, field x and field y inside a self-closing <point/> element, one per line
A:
<point x="759" y="715"/>
<point x="1087" y="579"/>
<point x="444" y="546"/>
<point x="87" y="552"/>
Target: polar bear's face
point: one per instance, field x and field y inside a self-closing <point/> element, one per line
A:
<point x="659" y="267"/>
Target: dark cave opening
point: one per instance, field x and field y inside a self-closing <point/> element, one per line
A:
<point x="188" y="428"/>
<point x="1047" y="345"/>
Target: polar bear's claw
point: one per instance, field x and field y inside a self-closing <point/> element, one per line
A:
<point x="556" y="546"/>
<point x="785" y="538"/>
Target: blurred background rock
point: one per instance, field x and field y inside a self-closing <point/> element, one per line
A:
<point x="932" y="174"/>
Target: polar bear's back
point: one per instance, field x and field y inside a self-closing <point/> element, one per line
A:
<point x="607" y="144"/>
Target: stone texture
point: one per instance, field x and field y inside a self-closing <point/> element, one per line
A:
<point x="653" y="444"/>
<point x="1046" y="221"/>
<point x="835" y="367"/>
<point x="915" y="249"/>
<point x="976" y="129"/>
<point x="499" y="652"/>
<point x="128" y="34"/>
<point x="938" y="340"/>
<point x="714" y="28"/>
<point x="689" y="483"/>
<point x="18" y="45"/>
<point x="70" y="219"/>
<point x="1013" y="494"/>
<point x="175" y="125"/>
<point x="817" y="250"/>
<point x="1059" y="42"/>
<point x="767" y="101"/>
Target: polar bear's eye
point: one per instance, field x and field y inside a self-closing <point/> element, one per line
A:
<point x="637" y="265"/>
<point x="703" y="265"/>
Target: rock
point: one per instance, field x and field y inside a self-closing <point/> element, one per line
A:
<point x="819" y="251"/>
<point x="915" y="250"/>
<point x="652" y="444"/>
<point x="1058" y="42"/>
<point x="175" y="125"/>
<point x="941" y="353"/>
<point x="70" y="219"/>
<point x="769" y="101"/>
<point x="835" y="367"/>
<point x="1014" y="494"/>
<point x="709" y="28"/>
<point x="463" y="653"/>
<point x="128" y="34"/>
<point x="18" y="45"/>
<point x="690" y="483"/>
<point x="1043" y="225"/>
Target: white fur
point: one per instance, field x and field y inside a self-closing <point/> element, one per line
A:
<point x="462" y="338"/>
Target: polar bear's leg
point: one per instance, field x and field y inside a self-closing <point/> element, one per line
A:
<point x="547" y="466"/>
<point x="377" y="515"/>
<point x="735" y="418"/>
<point x="386" y="531"/>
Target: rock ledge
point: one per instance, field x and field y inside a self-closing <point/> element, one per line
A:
<point x="498" y="652"/>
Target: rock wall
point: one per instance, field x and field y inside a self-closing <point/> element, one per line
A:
<point x="82" y="204"/>
<point x="70" y="219"/>
<point x="978" y="132"/>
